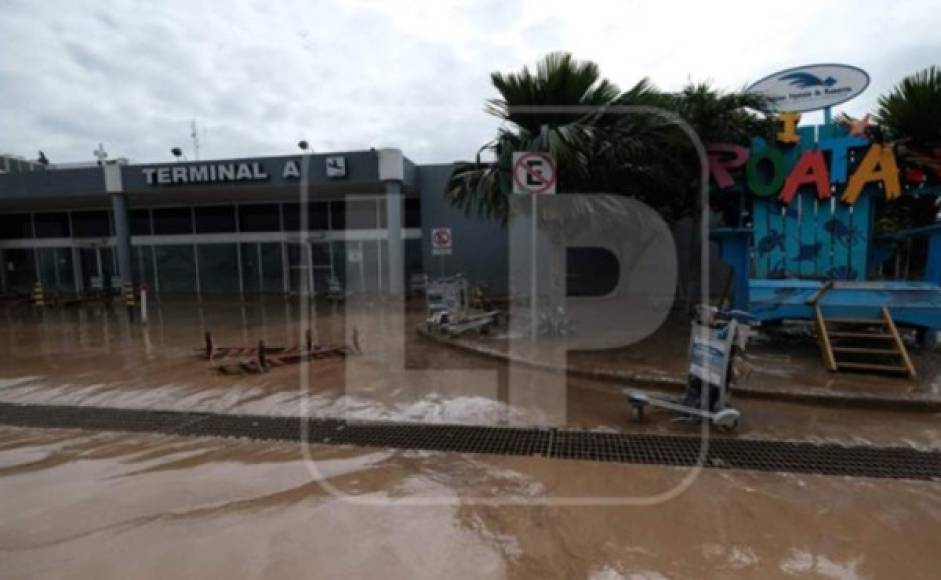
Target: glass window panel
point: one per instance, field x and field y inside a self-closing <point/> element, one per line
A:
<point x="215" y="219"/>
<point x="20" y="267"/>
<point x="140" y="222"/>
<point x="142" y="264"/>
<point x="361" y="215"/>
<point x="175" y="269"/>
<point x="259" y="218"/>
<point x="370" y="266"/>
<point x="91" y="224"/>
<point x="251" y="268"/>
<point x="412" y="212"/>
<point x="55" y="270"/>
<point x="52" y="224"/>
<point x="15" y="226"/>
<point x="316" y="216"/>
<point x="413" y="258"/>
<point x="173" y="220"/>
<point x="338" y="215"/>
<point x="271" y="268"/>
<point x="218" y="269"/>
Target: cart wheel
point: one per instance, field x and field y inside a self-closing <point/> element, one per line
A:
<point x="727" y="420"/>
<point x="639" y="412"/>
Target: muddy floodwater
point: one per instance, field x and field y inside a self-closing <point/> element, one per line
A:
<point x="80" y="504"/>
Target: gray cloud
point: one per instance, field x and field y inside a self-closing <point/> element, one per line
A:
<point x="258" y="76"/>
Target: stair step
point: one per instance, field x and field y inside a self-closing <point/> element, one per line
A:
<point x="862" y="350"/>
<point x="840" y="333"/>
<point x="871" y="321"/>
<point x="872" y="367"/>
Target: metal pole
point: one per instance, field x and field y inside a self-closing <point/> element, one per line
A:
<point x="534" y="306"/>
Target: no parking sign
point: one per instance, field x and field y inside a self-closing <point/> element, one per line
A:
<point x="441" y="242"/>
<point x="534" y="172"/>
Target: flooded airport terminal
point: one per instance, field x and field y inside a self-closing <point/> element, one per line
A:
<point x="404" y="291"/>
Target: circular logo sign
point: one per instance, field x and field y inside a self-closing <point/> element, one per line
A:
<point x="812" y="87"/>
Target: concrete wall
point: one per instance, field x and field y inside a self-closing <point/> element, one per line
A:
<point x="52" y="183"/>
<point x="480" y="246"/>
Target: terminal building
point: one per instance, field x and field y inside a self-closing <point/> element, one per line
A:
<point x="233" y="226"/>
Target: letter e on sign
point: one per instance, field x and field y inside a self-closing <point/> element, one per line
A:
<point x="534" y="173"/>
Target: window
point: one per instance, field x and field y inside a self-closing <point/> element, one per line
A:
<point x="215" y="219"/>
<point x="91" y="224"/>
<point x="140" y="222"/>
<point x="338" y="215"/>
<point x="218" y="269"/>
<point x="316" y="216"/>
<point x="175" y="269"/>
<point x="259" y="218"/>
<point x="173" y="220"/>
<point x="412" y="212"/>
<point x="52" y="225"/>
<point x="15" y="226"/>
<point x="361" y="215"/>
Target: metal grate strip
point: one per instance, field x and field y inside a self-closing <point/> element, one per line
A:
<point x="683" y="451"/>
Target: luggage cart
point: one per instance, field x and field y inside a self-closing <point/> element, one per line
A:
<point x="715" y="339"/>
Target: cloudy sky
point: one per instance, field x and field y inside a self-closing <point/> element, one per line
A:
<point x="258" y="76"/>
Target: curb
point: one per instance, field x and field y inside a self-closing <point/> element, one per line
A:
<point x="798" y="395"/>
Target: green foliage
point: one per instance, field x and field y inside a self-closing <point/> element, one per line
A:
<point x="912" y="110"/>
<point x="605" y="140"/>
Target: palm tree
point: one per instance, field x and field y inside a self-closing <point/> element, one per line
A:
<point x="910" y="116"/>
<point x="912" y="110"/>
<point x="531" y="106"/>
<point x="599" y="149"/>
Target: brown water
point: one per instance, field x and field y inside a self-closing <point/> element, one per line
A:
<point x="94" y="357"/>
<point x="107" y="505"/>
<point x="99" y="505"/>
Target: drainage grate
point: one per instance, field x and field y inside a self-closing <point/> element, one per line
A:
<point x="722" y="452"/>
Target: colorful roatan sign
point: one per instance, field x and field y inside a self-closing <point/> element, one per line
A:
<point x="773" y="170"/>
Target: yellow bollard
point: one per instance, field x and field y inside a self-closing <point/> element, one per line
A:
<point x="39" y="297"/>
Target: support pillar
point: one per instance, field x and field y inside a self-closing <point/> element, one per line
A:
<point x="122" y="223"/>
<point x="122" y="237"/>
<point x="392" y="172"/>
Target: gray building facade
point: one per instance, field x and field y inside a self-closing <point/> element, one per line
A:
<point x="236" y="226"/>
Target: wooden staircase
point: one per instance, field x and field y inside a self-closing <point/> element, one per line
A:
<point x="862" y="344"/>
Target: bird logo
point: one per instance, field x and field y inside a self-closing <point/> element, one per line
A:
<point x="806" y="80"/>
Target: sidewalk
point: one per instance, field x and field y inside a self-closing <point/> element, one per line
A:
<point x="789" y="371"/>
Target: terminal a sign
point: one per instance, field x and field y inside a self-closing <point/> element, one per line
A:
<point x="227" y="172"/>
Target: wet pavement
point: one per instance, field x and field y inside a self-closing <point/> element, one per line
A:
<point x="95" y="357"/>
<point x="96" y="505"/>
<point x="106" y="505"/>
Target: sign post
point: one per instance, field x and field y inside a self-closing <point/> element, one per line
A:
<point x="442" y="242"/>
<point x="534" y="174"/>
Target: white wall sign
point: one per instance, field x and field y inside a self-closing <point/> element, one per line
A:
<point x="204" y="173"/>
<point x="336" y="166"/>
<point x="812" y="87"/>
<point x="534" y="172"/>
<point x="442" y="243"/>
<point x="354" y="255"/>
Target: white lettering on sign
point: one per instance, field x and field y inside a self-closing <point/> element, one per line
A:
<point x="205" y="173"/>
<point x="290" y="170"/>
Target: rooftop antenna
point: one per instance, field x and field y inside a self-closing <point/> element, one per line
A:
<point x="194" y="135"/>
<point x="100" y="154"/>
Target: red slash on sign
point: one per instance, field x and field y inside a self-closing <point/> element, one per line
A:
<point x="533" y="173"/>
